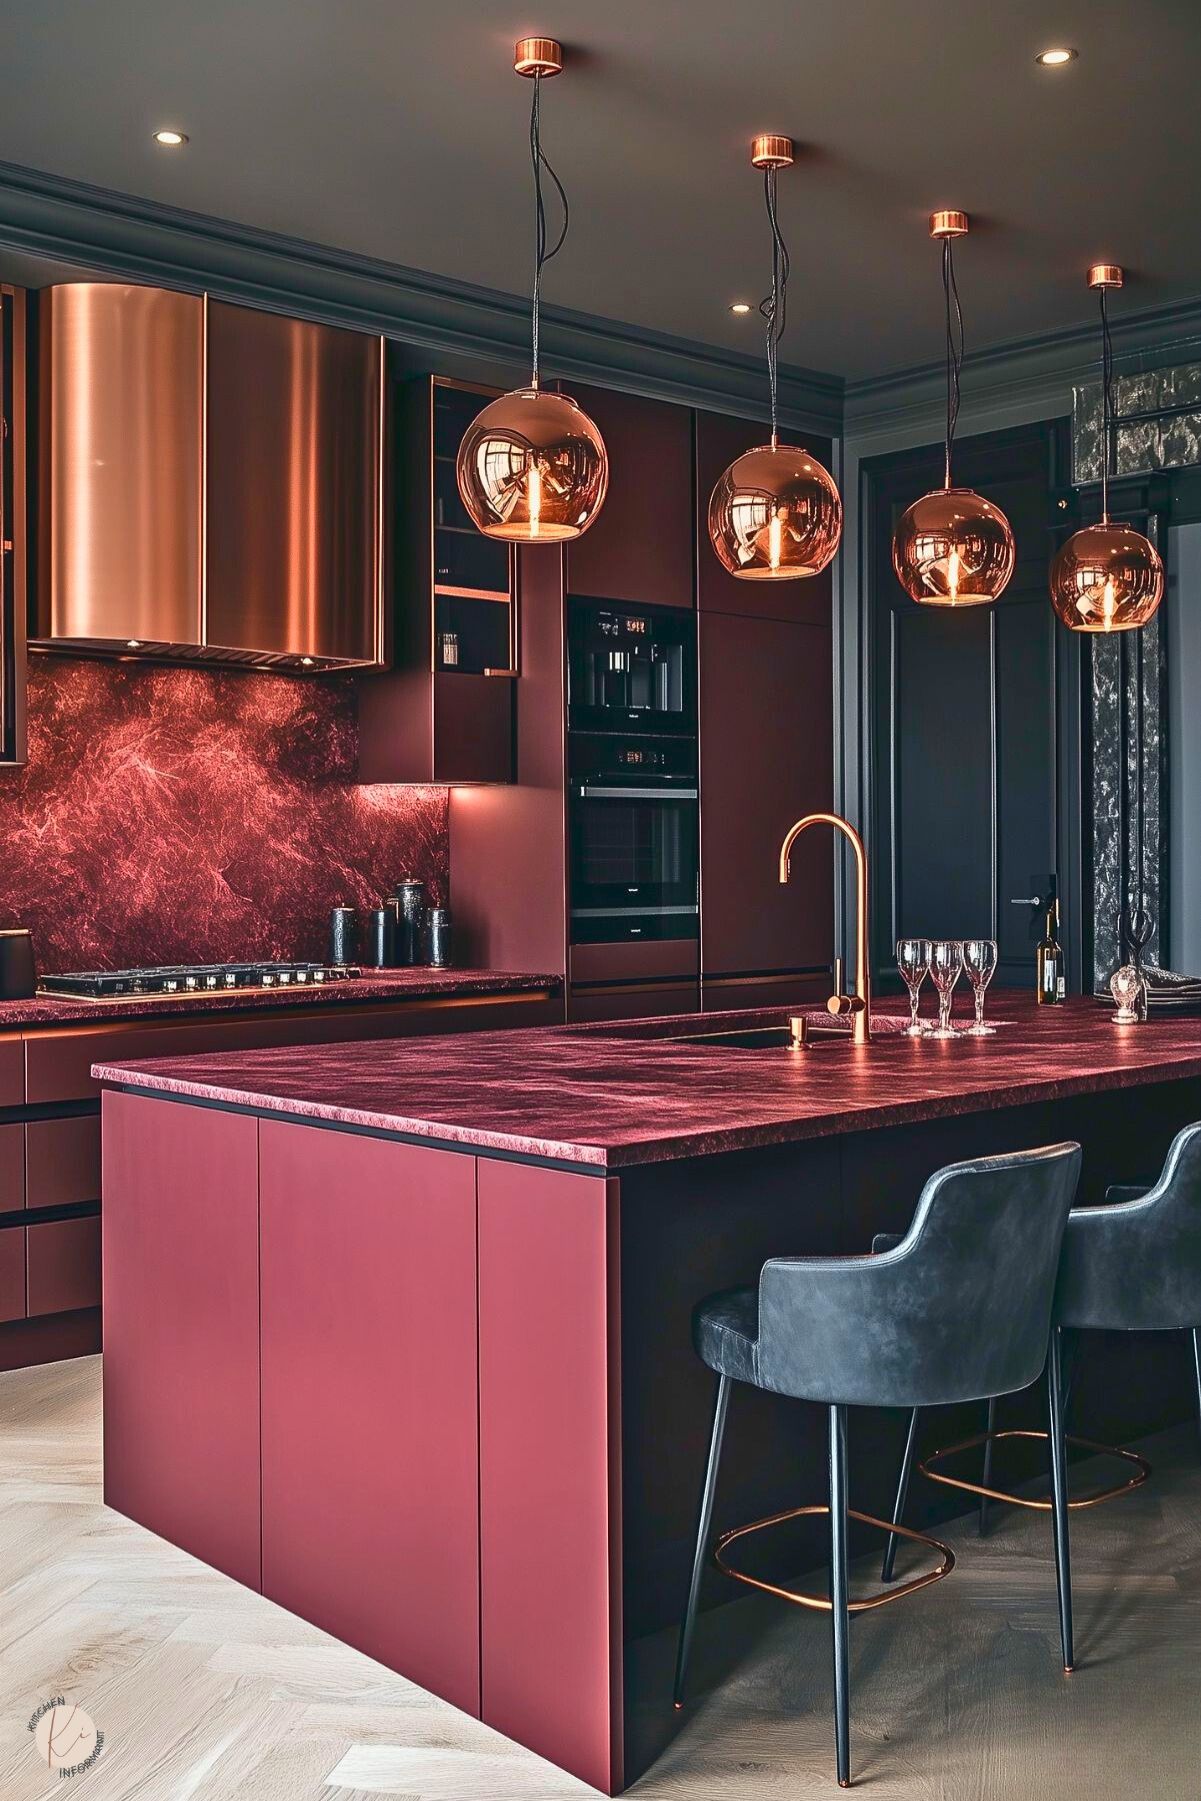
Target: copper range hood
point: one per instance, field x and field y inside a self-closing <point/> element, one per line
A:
<point x="211" y="482"/>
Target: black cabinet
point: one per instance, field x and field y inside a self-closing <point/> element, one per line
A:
<point x="971" y="773"/>
<point x="445" y="713"/>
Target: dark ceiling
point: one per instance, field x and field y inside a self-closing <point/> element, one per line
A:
<point x="399" y="130"/>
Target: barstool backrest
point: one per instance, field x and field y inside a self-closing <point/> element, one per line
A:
<point x="960" y="1309"/>
<point x="1135" y="1266"/>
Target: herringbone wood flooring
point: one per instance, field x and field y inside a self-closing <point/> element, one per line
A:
<point x="205" y="1690"/>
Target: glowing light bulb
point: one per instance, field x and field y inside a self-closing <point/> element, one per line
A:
<point x="535" y="498"/>
<point x="1108" y="606"/>
<point x="774" y="539"/>
<point x="953" y="576"/>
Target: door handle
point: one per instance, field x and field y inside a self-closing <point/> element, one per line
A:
<point x="590" y="793"/>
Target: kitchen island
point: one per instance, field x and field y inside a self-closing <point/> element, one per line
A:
<point x="399" y="1332"/>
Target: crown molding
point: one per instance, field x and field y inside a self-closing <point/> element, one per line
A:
<point x="122" y="235"/>
<point x="1024" y="377"/>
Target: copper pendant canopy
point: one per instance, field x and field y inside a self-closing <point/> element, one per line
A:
<point x="775" y="514"/>
<point x="1106" y="577"/>
<point x="532" y="467"/>
<point x="952" y="548"/>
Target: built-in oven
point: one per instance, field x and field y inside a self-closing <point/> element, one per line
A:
<point x="633" y="821"/>
<point x="630" y="668"/>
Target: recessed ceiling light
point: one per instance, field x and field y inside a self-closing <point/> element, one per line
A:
<point x="1055" y="59"/>
<point x="740" y="306"/>
<point x="169" y="138"/>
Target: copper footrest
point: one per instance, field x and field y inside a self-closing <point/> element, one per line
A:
<point x="892" y="1593"/>
<point x="1142" y="1469"/>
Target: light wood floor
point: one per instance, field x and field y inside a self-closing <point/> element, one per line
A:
<point x="205" y="1690"/>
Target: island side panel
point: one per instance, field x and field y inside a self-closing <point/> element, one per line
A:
<point x="181" y="1326"/>
<point x="370" y="1472"/>
<point x="550" y="1521"/>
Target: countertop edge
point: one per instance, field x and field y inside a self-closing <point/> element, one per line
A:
<point x="850" y="1118"/>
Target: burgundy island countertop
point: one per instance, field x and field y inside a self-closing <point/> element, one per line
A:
<point x="373" y="985"/>
<point x="622" y="1094"/>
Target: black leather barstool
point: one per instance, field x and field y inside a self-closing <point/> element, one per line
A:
<point x="958" y="1310"/>
<point x="1133" y="1265"/>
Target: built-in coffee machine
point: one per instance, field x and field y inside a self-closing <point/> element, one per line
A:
<point x="632" y="772"/>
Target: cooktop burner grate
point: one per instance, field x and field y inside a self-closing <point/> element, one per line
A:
<point x="186" y="980"/>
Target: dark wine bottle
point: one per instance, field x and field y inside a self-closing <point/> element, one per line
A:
<point x="1052" y="981"/>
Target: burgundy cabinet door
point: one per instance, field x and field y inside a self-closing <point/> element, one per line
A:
<point x="370" y="1451"/>
<point x="719" y="439"/>
<point x="12" y="1168"/>
<point x="586" y="1006"/>
<point x="62" y="1160"/>
<point x="640" y="548"/>
<point x="767" y="757"/>
<point x="550" y="1466"/>
<point x="12" y="1273"/>
<point x="63" y="1266"/>
<point x="181" y="1326"/>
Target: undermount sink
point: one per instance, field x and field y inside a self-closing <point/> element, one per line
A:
<point x="820" y="1027"/>
<point x="756" y="1038"/>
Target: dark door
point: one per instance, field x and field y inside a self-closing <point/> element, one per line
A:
<point x="640" y="548"/>
<point x="719" y="439"/>
<point x="766" y="744"/>
<point x="969" y="761"/>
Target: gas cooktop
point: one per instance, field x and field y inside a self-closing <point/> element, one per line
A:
<point x="189" y="979"/>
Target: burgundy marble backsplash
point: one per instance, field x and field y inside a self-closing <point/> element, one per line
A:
<point x="194" y="813"/>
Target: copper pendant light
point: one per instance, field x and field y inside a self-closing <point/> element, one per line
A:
<point x="775" y="514"/>
<point x="532" y="467"/>
<point x="952" y="548"/>
<point x="1106" y="578"/>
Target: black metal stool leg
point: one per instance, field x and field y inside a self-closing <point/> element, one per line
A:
<point x="704" y="1522"/>
<point x="986" y="1478"/>
<point x="1059" y="1499"/>
<point x="898" y="1508"/>
<point x="1197" y="1367"/>
<point x="838" y="1594"/>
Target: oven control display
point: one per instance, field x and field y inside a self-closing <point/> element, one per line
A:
<point x="629" y="625"/>
<point x="639" y="757"/>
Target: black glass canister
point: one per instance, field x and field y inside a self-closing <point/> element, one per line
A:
<point x="379" y="949"/>
<point x="439" y="938"/>
<point x="344" y="935"/>
<point x="18" y="976"/>
<point x="410" y="906"/>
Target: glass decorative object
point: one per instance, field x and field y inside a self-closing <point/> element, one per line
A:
<point x="1126" y="986"/>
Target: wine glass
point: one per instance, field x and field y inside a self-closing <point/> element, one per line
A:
<point x="913" y="961"/>
<point x="980" y="962"/>
<point x="946" y="967"/>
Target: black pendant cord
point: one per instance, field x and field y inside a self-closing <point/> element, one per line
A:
<point x="775" y="308"/>
<point x="542" y="255"/>
<point x="1107" y="432"/>
<point x="954" y="314"/>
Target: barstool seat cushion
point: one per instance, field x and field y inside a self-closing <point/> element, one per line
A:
<point x="725" y="1331"/>
<point x="1134" y="1265"/>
